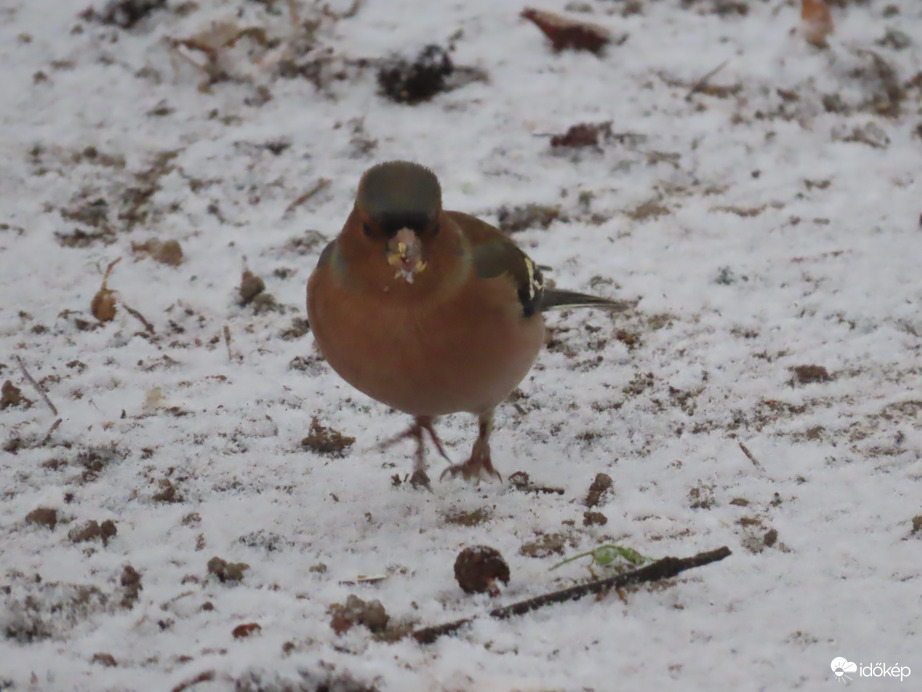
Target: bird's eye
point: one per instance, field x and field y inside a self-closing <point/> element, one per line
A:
<point x="367" y="228"/>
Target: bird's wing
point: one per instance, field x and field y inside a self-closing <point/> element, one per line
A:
<point x="326" y="254"/>
<point x="556" y="298"/>
<point x="495" y="255"/>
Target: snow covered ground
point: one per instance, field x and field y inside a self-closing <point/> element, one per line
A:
<point x="766" y="219"/>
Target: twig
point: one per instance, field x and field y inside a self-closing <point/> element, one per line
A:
<point x="654" y="157"/>
<point x="137" y="315"/>
<point x="105" y="275"/>
<point x="227" y="340"/>
<point x="749" y="456"/>
<point x="319" y="185"/>
<point x="294" y="15"/>
<point x="205" y="676"/>
<point x="166" y="604"/>
<point x="38" y="387"/>
<point x="661" y="569"/>
<point x="54" y="426"/>
<point x="348" y="14"/>
<point x="703" y="82"/>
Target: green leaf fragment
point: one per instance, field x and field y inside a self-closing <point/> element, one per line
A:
<point x="606" y="554"/>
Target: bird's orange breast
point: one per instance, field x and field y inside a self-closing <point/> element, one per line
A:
<point x="466" y="352"/>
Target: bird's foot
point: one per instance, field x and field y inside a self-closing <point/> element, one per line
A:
<point x="479" y="466"/>
<point x="420" y="479"/>
<point x="472" y="470"/>
<point x="421" y="424"/>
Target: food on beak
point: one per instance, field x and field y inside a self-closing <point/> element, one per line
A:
<point x="404" y="253"/>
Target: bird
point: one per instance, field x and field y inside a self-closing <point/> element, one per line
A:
<point x="430" y="311"/>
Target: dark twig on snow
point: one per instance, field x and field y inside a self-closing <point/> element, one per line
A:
<point x="39" y="388"/>
<point x="703" y="82"/>
<point x="661" y="569"/>
<point x="227" y="340"/>
<point x="138" y="316"/>
<point x="301" y="199"/>
<point x="205" y="676"/>
<point x="54" y="426"/>
<point x="750" y="456"/>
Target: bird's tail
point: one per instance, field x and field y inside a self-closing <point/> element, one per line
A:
<point x="554" y="298"/>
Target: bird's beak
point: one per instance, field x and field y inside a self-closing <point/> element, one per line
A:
<point x="405" y="254"/>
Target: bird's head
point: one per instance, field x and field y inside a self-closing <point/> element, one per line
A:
<point x="398" y="213"/>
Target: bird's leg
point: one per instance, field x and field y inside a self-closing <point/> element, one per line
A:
<point x="425" y="422"/>
<point x="420" y="425"/>
<point x="480" y="462"/>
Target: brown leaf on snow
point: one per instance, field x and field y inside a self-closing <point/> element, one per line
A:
<point x="250" y="287"/>
<point x="583" y="135"/>
<point x="245" y="630"/>
<point x="807" y="374"/>
<point x="43" y="516"/>
<point x="166" y="252"/>
<point x="92" y="530"/>
<point x="599" y="489"/>
<point x="326" y="441"/>
<point x="11" y="395"/>
<point x="358" y="612"/>
<point x="815" y="21"/>
<point x="208" y="49"/>
<point x="567" y="33"/>
<point x="227" y="572"/>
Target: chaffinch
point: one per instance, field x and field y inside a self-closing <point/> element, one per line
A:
<point x="429" y="311"/>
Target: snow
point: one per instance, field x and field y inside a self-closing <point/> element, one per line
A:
<point x="758" y="231"/>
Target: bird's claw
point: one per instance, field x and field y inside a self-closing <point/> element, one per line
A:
<point x="472" y="470"/>
<point x="421" y="424"/>
<point x="420" y="479"/>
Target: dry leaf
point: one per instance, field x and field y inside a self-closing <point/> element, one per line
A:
<point x="213" y="43"/>
<point x="569" y="33"/>
<point x="154" y="399"/>
<point x="250" y="287"/>
<point x="583" y="135"/>
<point x="166" y="252"/>
<point x="815" y="21"/>
<point x="245" y="630"/>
